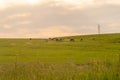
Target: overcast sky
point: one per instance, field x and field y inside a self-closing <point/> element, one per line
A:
<point x="50" y="18"/>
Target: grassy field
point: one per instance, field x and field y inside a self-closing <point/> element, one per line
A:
<point x="96" y="57"/>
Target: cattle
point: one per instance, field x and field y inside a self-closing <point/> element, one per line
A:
<point x="93" y="38"/>
<point x="81" y="39"/>
<point x="30" y="39"/>
<point x="56" y="39"/>
<point x="49" y="38"/>
<point x="59" y="39"/>
<point x="72" y="40"/>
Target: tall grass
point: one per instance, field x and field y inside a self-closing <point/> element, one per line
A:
<point x="94" y="70"/>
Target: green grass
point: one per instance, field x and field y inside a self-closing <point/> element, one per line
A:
<point x="36" y="59"/>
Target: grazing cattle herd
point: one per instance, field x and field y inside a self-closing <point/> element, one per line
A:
<point x="56" y="39"/>
<point x="62" y="39"/>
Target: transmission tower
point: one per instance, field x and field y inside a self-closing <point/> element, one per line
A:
<point x="99" y="29"/>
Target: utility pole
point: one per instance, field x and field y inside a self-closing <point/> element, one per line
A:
<point x="99" y="29"/>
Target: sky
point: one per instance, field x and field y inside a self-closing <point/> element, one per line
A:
<point x="53" y="18"/>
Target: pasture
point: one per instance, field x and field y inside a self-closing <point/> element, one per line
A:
<point x="89" y="57"/>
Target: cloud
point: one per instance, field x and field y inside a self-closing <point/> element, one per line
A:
<point x="7" y="26"/>
<point x="57" y="31"/>
<point x="107" y="2"/>
<point x="59" y="18"/>
<point x="19" y="15"/>
<point x="70" y="4"/>
<point x="25" y="22"/>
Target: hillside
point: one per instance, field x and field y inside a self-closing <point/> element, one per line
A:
<point x="91" y="46"/>
<point x="95" y="57"/>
